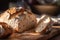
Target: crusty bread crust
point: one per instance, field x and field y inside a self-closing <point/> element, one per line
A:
<point x="5" y="30"/>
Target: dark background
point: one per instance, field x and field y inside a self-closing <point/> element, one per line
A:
<point x="4" y="5"/>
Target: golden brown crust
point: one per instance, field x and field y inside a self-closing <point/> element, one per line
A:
<point x="12" y="10"/>
<point x="7" y="30"/>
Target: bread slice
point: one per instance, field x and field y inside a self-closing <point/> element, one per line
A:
<point x="43" y="25"/>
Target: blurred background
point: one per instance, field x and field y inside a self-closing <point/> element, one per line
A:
<point x="36" y="6"/>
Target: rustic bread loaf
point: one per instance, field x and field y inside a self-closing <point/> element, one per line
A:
<point x="19" y="21"/>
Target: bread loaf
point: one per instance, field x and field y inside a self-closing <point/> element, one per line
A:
<point x="19" y="21"/>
